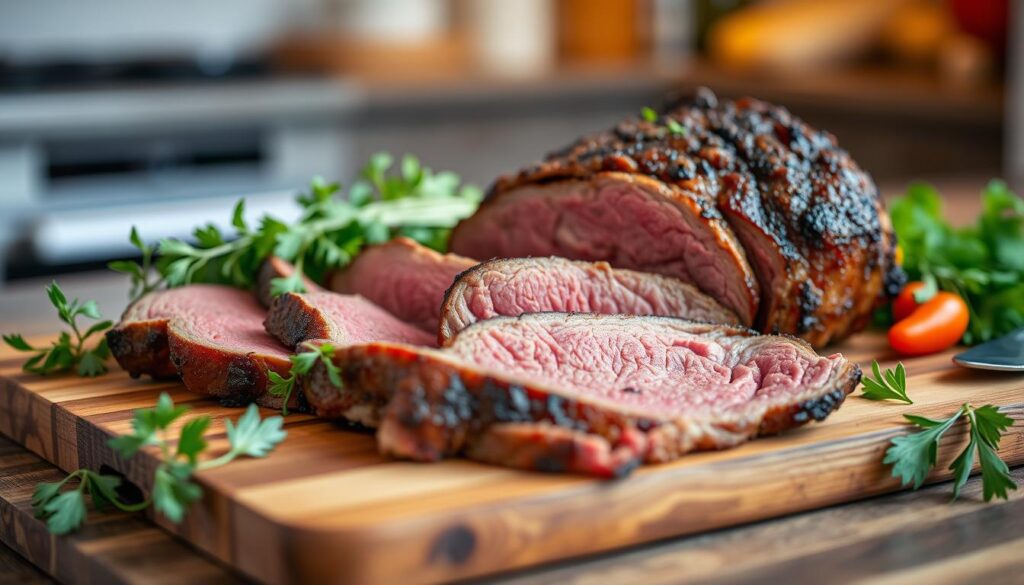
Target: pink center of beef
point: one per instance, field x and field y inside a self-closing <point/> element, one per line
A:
<point x="405" y="279"/>
<point x="552" y="285"/>
<point x="615" y="221"/>
<point x="360" y="321"/>
<point x="658" y="369"/>
<point x="224" y="316"/>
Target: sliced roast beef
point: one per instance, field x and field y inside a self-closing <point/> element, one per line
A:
<point x="533" y="285"/>
<point x="338" y="319"/>
<point x="678" y="201"/>
<point x="404" y="278"/>
<point x="584" y="393"/>
<point x="629" y="220"/>
<point x="139" y="341"/>
<point x="211" y="336"/>
<point x="273" y="268"/>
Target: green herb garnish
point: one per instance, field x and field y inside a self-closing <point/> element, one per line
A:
<point x="415" y="202"/>
<point x="674" y="128"/>
<point x="70" y="351"/>
<point x="173" y="489"/>
<point x="891" y="386"/>
<point x="983" y="263"/>
<point x="302" y="364"/>
<point x="913" y="456"/>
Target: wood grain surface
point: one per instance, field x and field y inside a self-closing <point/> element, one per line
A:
<point x="894" y="538"/>
<point x="325" y="507"/>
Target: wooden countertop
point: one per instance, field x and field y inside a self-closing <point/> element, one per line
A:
<point x="908" y="537"/>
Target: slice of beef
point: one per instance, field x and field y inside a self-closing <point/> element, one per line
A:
<point x="535" y="285"/>
<point x="338" y="319"/>
<point x="809" y="219"/>
<point x="584" y="393"/>
<point x="625" y="218"/>
<point x="139" y="341"/>
<point x="274" y="267"/>
<point x="211" y="336"/>
<point x="404" y="278"/>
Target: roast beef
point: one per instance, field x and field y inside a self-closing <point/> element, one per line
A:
<point x="533" y="285"/>
<point x="338" y="319"/>
<point x="592" y="394"/>
<point x="679" y="202"/>
<point x="629" y="220"/>
<point x="211" y="336"/>
<point x="272" y="268"/>
<point x="403" y="277"/>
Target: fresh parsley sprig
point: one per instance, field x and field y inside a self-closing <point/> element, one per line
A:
<point x="892" y="386"/>
<point x="302" y="364"/>
<point x="70" y="350"/>
<point x="414" y="202"/>
<point x="140" y="272"/>
<point x="913" y="456"/>
<point x="983" y="263"/>
<point x="173" y="489"/>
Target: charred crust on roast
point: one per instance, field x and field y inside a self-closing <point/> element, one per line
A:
<point x="626" y="468"/>
<point x="556" y="460"/>
<point x="243" y="379"/>
<point x="232" y="401"/>
<point x="790" y="184"/>
<point x="140" y="347"/>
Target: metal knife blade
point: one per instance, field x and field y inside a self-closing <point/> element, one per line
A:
<point x="1005" y="354"/>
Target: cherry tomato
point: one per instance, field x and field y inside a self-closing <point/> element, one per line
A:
<point x="934" y="326"/>
<point x="905" y="303"/>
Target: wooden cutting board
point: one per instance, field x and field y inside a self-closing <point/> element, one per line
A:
<point x="326" y="508"/>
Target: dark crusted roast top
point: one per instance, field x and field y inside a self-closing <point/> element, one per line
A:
<point x="753" y="160"/>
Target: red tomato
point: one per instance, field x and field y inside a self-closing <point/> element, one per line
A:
<point x="905" y="303"/>
<point x="934" y="326"/>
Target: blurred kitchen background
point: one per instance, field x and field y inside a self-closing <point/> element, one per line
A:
<point x="161" y="114"/>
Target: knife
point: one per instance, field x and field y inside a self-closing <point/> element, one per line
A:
<point x="1005" y="354"/>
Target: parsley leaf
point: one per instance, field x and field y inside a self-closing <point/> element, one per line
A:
<point x="70" y="351"/>
<point x="173" y="492"/>
<point x="892" y="386"/>
<point x="648" y="114"/>
<point x="675" y="128"/>
<point x="252" y="436"/>
<point x="982" y="263"/>
<point x="913" y="456"/>
<point x="191" y="442"/>
<point x="330" y="231"/>
<point x="66" y="512"/>
<point x="173" y="488"/>
<point x="302" y="364"/>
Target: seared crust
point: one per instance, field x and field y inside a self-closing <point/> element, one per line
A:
<point x="787" y="190"/>
<point x="274" y="267"/>
<point x="165" y="347"/>
<point x="292" y="320"/>
<point x="140" y="347"/>
<point x="429" y="404"/>
<point x="237" y="378"/>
